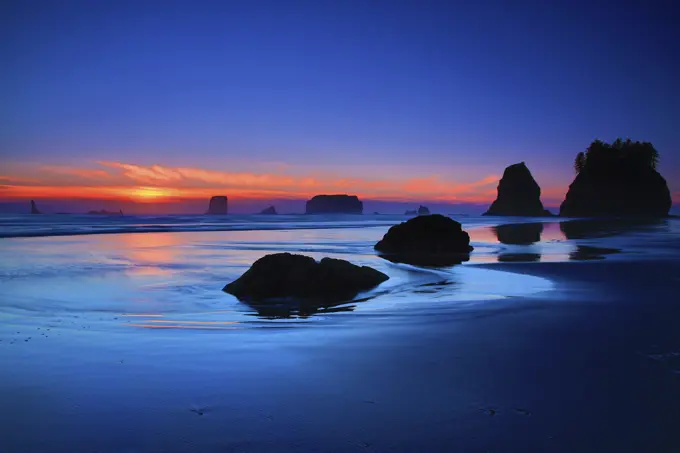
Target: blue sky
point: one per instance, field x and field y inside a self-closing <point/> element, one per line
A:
<point x="454" y="89"/>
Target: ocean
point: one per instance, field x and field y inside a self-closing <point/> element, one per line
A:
<point x="116" y="335"/>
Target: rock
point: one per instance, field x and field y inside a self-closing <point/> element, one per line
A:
<point x="422" y="210"/>
<point x="218" y="206"/>
<point x="413" y="212"/>
<point x="427" y="240"/>
<point x="519" y="233"/>
<point x="518" y="194"/>
<point x="285" y="275"/>
<point x="34" y="208"/>
<point x="105" y="212"/>
<point x="271" y="210"/>
<point x="617" y="190"/>
<point x="334" y="204"/>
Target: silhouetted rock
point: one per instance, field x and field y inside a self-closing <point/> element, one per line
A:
<point x="284" y="275"/>
<point x="518" y="194"/>
<point x="617" y="189"/>
<point x="271" y="210"/>
<point x="218" y="206"/>
<point x="427" y="240"/>
<point x="34" y="208"/>
<point x="411" y="212"/>
<point x="519" y="233"/>
<point x="422" y="210"/>
<point x="334" y="204"/>
<point x="105" y="212"/>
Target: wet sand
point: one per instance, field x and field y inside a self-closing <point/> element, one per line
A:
<point x="592" y="365"/>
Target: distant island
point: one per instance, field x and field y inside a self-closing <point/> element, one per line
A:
<point x="105" y="212"/>
<point x="334" y="204"/>
<point x="218" y="205"/>
<point x="271" y="210"/>
<point x="617" y="180"/>
<point x="518" y="194"/>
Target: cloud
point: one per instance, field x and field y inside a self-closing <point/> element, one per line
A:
<point x="122" y="179"/>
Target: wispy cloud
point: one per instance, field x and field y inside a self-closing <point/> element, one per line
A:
<point x="122" y="179"/>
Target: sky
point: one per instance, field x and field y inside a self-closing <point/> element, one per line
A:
<point x="403" y="101"/>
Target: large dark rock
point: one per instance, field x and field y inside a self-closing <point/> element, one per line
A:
<point x="284" y="275"/>
<point x="218" y="205"/>
<point x="617" y="190"/>
<point x="426" y="240"/>
<point x="334" y="204"/>
<point x="34" y="208"/>
<point x="518" y="194"/>
<point x="271" y="210"/>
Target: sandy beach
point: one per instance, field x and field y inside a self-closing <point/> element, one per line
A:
<point x="576" y="351"/>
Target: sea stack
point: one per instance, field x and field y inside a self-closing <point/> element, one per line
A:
<point x="617" y="180"/>
<point x="518" y="194"/>
<point x="334" y="204"/>
<point x="218" y="205"/>
<point x="423" y="210"/>
<point x="34" y="208"/>
<point x="271" y="210"/>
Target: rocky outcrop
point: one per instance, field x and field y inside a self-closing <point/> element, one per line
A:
<point x="518" y="194"/>
<point x="218" y="206"/>
<point x="422" y="210"/>
<point x="34" y="208"/>
<point x="427" y="240"/>
<point x="617" y="190"/>
<point x="285" y="275"/>
<point x="271" y="210"/>
<point x="105" y="212"/>
<point x="334" y="204"/>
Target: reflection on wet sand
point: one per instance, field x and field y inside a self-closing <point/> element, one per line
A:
<point x="149" y="251"/>
<point x="600" y="228"/>
<point x="518" y="257"/>
<point x="519" y="233"/>
<point x="586" y="253"/>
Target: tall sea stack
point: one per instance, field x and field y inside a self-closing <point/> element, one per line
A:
<point x="34" y="208"/>
<point x="334" y="204"/>
<point x="518" y="194"/>
<point x="217" y="206"/>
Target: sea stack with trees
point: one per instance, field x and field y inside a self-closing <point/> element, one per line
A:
<point x="617" y="180"/>
<point x="334" y="204"/>
<point x="518" y="194"/>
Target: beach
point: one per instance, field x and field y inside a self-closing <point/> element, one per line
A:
<point x="553" y="337"/>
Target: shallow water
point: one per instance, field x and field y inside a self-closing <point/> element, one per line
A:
<point x="125" y="342"/>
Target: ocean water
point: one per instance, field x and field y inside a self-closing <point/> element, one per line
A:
<point x="116" y="336"/>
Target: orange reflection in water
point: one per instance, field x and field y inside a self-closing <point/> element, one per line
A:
<point x="147" y="251"/>
<point x="156" y="326"/>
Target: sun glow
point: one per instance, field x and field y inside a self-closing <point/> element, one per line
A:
<point x="143" y="194"/>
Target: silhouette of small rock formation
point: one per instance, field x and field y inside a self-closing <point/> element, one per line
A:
<point x="285" y="275"/>
<point x="34" y="208"/>
<point x="218" y="205"/>
<point x="411" y="212"/>
<point x="105" y="212"/>
<point x="422" y="210"/>
<point x="518" y="194"/>
<point x="427" y="240"/>
<point x="334" y="204"/>
<point x="519" y="233"/>
<point x="271" y="210"/>
<point x="617" y="180"/>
